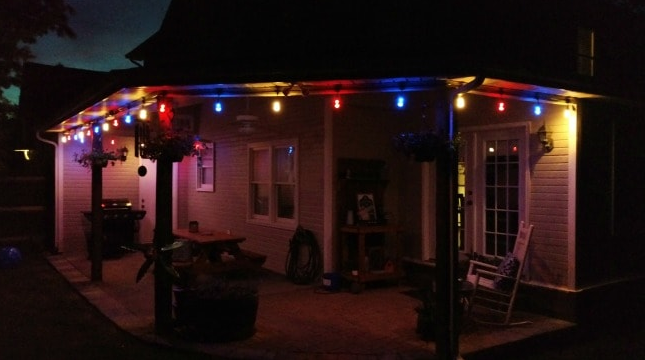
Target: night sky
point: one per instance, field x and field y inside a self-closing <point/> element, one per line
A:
<point x="105" y="32"/>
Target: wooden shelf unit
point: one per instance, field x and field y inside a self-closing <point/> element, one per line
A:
<point x="361" y="274"/>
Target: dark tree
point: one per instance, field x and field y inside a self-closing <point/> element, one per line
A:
<point x="22" y="22"/>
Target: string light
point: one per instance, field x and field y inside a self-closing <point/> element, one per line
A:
<point x="400" y="101"/>
<point x="276" y="106"/>
<point x="567" y="110"/>
<point x="501" y="105"/>
<point x="461" y="102"/>
<point x="537" y="109"/>
<point x="336" y="101"/>
<point x="217" y="106"/>
<point x="143" y="113"/>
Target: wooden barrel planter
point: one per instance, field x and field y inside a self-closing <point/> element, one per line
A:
<point x="222" y="307"/>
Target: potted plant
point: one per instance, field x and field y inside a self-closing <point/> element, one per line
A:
<point x="427" y="314"/>
<point x="216" y="300"/>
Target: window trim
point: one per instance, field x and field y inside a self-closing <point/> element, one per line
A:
<point x="272" y="219"/>
<point x="205" y="162"/>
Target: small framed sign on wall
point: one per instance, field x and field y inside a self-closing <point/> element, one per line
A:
<point x="366" y="208"/>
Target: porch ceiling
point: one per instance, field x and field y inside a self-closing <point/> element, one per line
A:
<point x="131" y="99"/>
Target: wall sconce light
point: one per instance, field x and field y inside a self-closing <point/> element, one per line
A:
<point x="545" y="139"/>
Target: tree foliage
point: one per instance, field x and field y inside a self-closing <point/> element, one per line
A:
<point x="22" y="22"/>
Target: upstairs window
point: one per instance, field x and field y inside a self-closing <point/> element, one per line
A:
<point x="273" y="183"/>
<point x="586" y="52"/>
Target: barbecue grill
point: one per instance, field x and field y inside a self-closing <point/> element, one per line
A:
<point x="120" y="223"/>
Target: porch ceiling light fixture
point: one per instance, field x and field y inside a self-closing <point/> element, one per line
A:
<point x="545" y="139"/>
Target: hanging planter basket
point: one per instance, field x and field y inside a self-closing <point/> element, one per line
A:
<point x="100" y="157"/>
<point x="423" y="146"/>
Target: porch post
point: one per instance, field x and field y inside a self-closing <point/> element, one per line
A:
<point x="447" y="346"/>
<point x="162" y="237"/>
<point x="96" y="250"/>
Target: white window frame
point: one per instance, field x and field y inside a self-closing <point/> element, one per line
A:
<point x="272" y="218"/>
<point x="206" y="163"/>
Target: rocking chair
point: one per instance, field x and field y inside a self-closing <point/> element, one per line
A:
<point x="495" y="287"/>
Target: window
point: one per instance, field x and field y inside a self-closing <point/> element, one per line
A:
<point x="206" y="167"/>
<point x="586" y="52"/>
<point x="273" y="183"/>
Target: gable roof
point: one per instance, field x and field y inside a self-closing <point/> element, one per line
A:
<point x="313" y="40"/>
<point x="47" y="91"/>
<point x="250" y="46"/>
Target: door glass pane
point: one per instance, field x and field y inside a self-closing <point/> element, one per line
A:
<point x="502" y="196"/>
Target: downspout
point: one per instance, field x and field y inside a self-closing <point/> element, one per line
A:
<point x="57" y="193"/>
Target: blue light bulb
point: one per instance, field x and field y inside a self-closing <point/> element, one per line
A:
<point x="400" y="101"/>
<point x="217" y="106"/>
<point x="537" y="110"/>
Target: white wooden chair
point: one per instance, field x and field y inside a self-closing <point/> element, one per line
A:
<point x="495" y="287"/>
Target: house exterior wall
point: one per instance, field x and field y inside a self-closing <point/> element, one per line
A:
<point x="226" y="207"/>
<point x="610" y="234"/>
<point x="548" y="207"/>
<point x="364" y="128"/>
<point x="119" y="181"/>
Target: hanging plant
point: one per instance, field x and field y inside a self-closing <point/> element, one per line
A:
<point x="171" y="145"/>
<point x="160" y="140"/>
<point x="100" y="157"/>
<point x="420" y="146"/>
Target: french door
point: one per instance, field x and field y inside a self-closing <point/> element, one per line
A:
<point x="493" y="188"/>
